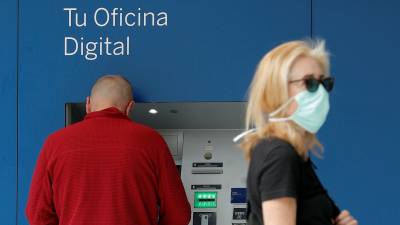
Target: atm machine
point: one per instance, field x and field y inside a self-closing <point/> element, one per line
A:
<point x="199" y="136"/>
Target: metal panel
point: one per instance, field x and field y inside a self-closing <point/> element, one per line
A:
<point x="234" y="169"/>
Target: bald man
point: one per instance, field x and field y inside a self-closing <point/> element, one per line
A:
<point x="107" y="169"/>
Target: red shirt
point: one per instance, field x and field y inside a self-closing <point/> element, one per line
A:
<point x="106" y="170"/>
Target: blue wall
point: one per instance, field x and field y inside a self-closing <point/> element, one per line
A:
<point x="8" y="73"/>
<point x="209" y="52"/>
<point x="362" y="150"/>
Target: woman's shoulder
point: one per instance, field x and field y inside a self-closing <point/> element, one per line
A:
<point x="275" y="149"/>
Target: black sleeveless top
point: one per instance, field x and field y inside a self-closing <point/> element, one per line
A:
<point x="275" y="171"/>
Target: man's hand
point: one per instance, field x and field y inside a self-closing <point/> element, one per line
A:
<point x="345" y="218"/>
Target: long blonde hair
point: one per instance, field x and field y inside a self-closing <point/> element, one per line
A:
<point x="269" y="90"/>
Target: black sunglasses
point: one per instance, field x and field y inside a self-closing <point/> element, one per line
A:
<point x="312" y="83"/>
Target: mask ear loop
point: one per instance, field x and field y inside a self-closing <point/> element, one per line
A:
<point x="244" y="133"/>
<point x="281" y="108"/>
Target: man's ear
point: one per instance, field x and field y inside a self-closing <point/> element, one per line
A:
<point x="88" y="110"/>
<point x="129" y="108"/>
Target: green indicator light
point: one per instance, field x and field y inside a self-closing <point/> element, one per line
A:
<point x="205" y="199"/>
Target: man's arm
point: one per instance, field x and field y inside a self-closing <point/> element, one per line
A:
<point x="40" y="207"/>
<point x="174" y="206"/>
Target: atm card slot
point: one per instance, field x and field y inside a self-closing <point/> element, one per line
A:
<point x="207" y="171"/>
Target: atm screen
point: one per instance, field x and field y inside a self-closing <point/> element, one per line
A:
<point x="204" y="199"/>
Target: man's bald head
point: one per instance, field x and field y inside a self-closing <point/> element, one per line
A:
<point x="110" y="91"/>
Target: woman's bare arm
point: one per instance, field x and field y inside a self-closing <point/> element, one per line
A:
<point x="280" y="211"/>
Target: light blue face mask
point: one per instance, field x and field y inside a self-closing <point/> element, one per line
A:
<point x="312" y="110"/>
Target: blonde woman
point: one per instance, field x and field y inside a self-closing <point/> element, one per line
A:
<point x="288" y="103"/>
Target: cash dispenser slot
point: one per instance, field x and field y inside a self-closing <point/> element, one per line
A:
<point x="207" y="168"/>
